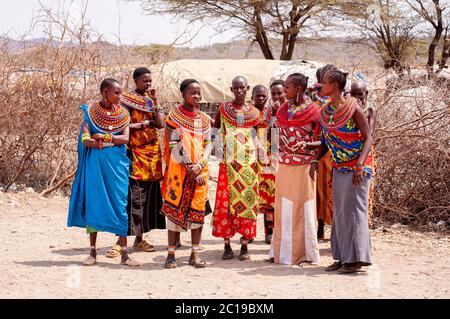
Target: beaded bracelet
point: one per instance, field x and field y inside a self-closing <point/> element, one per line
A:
<point x="108" y="138"/>
<point x="85" y="136"/>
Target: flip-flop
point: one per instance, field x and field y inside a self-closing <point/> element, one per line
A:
<point x="144" y="246"/>
<point x="89" y="261"/>
<point x="170" y="263"/>
<point x="114" y="251"/>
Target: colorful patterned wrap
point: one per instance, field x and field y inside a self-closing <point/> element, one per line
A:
<point x="146" y="158"/>
<point x="236" y="206"/>
<point x="345" y="143"/>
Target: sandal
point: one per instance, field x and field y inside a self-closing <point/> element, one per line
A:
<point x="244" y="256"/>
<point x="170" y="263"/>
<point x="228" y="255"/>
<point x="144" y="246"/>
<point x="196" y="261"/>
<point x="131" y="262"/>
<point x="304" y="264"/>
<point x="89" y="261"/>
<point x="114" y="251"/>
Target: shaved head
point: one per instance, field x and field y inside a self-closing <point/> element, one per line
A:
<point x="239" y="79"/>
<point x="359" y="91"/>
<point x="359" y="85"/>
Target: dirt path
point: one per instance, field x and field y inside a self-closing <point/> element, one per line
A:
<point x="41" y="259"/>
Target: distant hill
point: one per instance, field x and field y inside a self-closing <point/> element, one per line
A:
<point x="344" y="52"/>
<point x="15" y="45"/>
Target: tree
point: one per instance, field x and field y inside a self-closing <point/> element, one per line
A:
<point x="445" y="51"/>
<point x="261" y="20"/>
<point x="389" y="27"/>
<point x="433" y="12"/>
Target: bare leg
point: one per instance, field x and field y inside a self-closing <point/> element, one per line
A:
<point x="244" y="251"/>
<point x="126" y="260"/>
<point x="93" y="241"/>
<point x="194" y="259"/>
<point x="138" y="239"/>
<point x="178" y="241"/>
<point x="91" y="259"/>
<point x="228" y="252"/>
<point x="171" y="262"/>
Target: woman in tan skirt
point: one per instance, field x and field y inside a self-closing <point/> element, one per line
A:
<point x="295" y="233"/>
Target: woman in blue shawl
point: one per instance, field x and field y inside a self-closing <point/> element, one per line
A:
<point x="99" y="191"/>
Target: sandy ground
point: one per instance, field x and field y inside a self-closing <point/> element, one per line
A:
<point x="41" y="258"/>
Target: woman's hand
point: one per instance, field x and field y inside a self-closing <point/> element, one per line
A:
<point x="357" y="178"/>
<point x="90" y="143"/>
<point x="200" y="180"/>
<point x="98" y="136"/>
<point x="152" y="94"/>
<point x="195" y="169"/>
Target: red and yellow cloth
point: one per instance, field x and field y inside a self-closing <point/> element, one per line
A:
<point x="236" y="205"/>
<point x="146" y="158"/>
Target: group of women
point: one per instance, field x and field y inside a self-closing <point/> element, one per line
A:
<point x="301" y="159"/>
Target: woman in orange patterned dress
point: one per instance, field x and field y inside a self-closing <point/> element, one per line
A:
<point x="185" y="187"/>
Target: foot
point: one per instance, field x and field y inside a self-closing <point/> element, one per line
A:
<point x="271" y="260"/>
<point x="228" y="253"/>
<point x="170" y="262"/>
<point x="143" y="246"/>
<point x="244" y="253"/>
<point x="89" y="261"/>
<point x="196" y="261"/>
<point x="335" y="266"/>
<point x="130" y="262"/>
<point x="268" y="239"/>
<point x="304" y="263"/>
<point x="349" y="268"/>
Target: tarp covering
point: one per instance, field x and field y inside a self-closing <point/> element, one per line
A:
<point x="215" y="75"/>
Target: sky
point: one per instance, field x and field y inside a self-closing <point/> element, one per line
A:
<point x="108" y="17"/>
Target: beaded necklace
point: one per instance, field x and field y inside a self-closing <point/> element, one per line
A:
<point x="139" y="102"/>
<point x="112" y="120"/>
<point x="303" y="115"/>
<point x="293" y="109"/>
<point x="246" y="116"/>
<point x="332" y="117"/>
<point x="193" y="122"/>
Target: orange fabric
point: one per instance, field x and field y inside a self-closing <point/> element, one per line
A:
<point x="176" y="174"/>
<point x="146" y="159"/>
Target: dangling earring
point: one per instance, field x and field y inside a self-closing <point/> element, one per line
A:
<point x="298" y="96"/>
